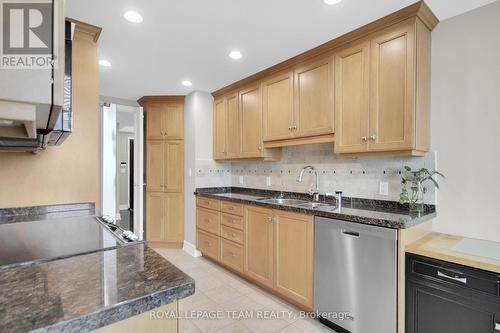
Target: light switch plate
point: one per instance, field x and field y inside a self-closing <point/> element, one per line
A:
<point x="241" y="180"/>
<point x="268" y="180"/>
<point x="384" y="188"/>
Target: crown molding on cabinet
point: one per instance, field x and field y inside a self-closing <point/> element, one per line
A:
<point x="417" y="10"/>
<point x="92" y="31"/>
<point x="160" y="99"/>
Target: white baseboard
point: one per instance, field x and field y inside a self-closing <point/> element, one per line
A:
<point x="191" y="249"/>
<point x="123" y="207"/>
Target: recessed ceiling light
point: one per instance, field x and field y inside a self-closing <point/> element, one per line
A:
<point x="332" y="2"/>
<point x="133" y="16"/>
<point x="235" y="55"/>
<point x="187" y="83"/>
<point x="104" y="63"/>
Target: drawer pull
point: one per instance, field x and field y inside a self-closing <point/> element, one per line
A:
<point x="454" y="278"/>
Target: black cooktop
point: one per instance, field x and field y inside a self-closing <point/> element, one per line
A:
<point x="26" y="242"/>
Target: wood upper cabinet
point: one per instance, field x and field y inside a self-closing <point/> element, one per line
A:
<point x="277" y="106"/>
<point x="219" y="129"/>
<point x="294" y="247"/>
<point x="232" y="126"/>
<point x="155" y="165"/>
<point x="313" y="99"/>
<point x="382" y="92"/>
<point x="164" y="121"/>
<point x="259" y="245"/>
<point x="251" y="122"/>
<point x="352" y="98"/>
<point x="173" y="172"/>
<point x="174" y="121"/>
<point x="392" y="89"/>
<point x="155" y="121"/>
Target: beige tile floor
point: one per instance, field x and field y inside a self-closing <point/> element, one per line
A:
<point x="218" y="289"/>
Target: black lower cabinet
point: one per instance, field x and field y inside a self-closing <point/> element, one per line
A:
<point x="447" y="298"/>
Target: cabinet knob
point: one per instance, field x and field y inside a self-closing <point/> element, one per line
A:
<point x="372" y="137"/>
<point x="259" y="147"/>
<point x="363" y="138"/>
<point x="289" y="128"/>
<point x="269" y="218"/>
<point x="294" y="127"/>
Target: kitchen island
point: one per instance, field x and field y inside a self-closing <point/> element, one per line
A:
<point x="83" y="278"/>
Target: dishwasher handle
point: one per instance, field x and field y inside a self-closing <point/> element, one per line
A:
<point x="348" y="233"/>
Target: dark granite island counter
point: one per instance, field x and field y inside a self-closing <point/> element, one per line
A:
<point x="86" y="292"/>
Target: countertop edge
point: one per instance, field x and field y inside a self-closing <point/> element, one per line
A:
<point x="335" y="215"/>
<point x="121" y="311"/>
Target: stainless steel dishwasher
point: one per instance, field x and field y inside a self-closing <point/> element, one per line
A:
<point x="355" y="276"/>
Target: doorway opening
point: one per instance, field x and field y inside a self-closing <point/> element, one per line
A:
<point x="122" y="170"/>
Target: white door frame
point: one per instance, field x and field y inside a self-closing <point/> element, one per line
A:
<point x="108" y="160"/>
<point x="139" y="173"/>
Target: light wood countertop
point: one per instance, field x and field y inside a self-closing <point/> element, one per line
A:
<point x="441" y="246"/>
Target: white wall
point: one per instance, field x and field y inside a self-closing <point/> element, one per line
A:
<point x="198" y="155"/>
<point x="466" y="122"/>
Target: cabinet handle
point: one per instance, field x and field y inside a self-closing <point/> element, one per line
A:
<point x="454" y="278"/>
<point x="294" y="127"/>
<point x="363" y="138"/>
<point x="372" y="137"/>
<point x="289" y="128"/>
<point x="270" y="219"/>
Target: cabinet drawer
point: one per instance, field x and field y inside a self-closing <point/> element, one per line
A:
<point x="208" y="244"/>
<point x="208" y="220"/>
<point x="208" y="203"/>
<point x="231" y="234"/>
<point x="231" y="255"/>
<point x="232" y="221"/>
<point x="231" y="208"/>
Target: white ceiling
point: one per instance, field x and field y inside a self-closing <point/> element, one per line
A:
<point x="190" y="39"/>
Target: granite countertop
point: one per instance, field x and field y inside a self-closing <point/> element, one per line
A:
<point x="374" y="212"/>
<point x="475" y="253"/>
<point x="85" y="292"/>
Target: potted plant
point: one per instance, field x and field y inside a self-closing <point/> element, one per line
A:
<point x="414" y="187"/>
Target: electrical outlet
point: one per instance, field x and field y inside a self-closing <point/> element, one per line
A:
<point x="268" y="180"/>
<point x="384" y="188"/>
<point x="241" y="180"/>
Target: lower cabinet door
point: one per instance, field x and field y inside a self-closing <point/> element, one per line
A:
<point x="294" y="242"/>
<point x="231" y="254"/>
<point x="174" y="217"/>
<point x="208" y="244"/>
<point x="155" y="229"/>
<point x="259" y="239"/>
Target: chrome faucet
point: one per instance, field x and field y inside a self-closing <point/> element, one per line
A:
<point x="315" y="192"/>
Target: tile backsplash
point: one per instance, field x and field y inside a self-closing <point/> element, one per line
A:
<point x="356" y="177"/>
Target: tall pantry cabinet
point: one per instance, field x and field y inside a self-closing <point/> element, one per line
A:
<point x="164" y="141"/>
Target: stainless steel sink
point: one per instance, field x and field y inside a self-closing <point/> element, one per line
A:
<point x="283" y="201"/>
<point x="315" y="205"/>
